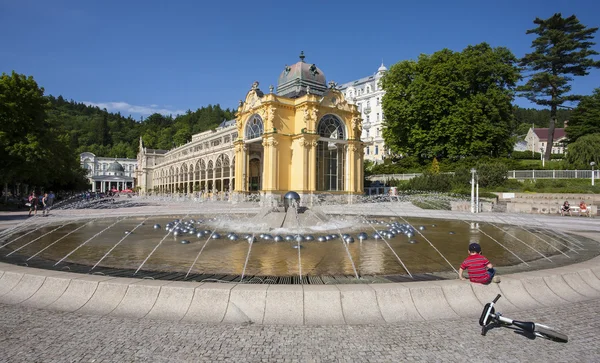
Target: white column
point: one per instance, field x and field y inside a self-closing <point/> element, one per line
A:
<point x="472" y="190"/>
<point x="477" y="196"/>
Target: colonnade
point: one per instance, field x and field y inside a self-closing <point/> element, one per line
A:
<point x="197" y="176"/>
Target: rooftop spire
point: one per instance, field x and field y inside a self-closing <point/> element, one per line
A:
<point x="302" y="56"/>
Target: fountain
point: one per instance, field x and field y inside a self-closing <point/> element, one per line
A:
<point x="210" y="240"/>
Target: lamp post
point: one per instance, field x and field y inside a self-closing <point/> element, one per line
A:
<point x="476" y="193"/>
<point x="473" y="171"/>
<point x="592" y="165"/>
<point x="542" y="156"/>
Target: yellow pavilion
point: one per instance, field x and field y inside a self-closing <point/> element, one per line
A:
<point x="305" y="137"/>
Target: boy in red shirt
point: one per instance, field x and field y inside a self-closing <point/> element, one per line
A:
<point x="480" y="268"/>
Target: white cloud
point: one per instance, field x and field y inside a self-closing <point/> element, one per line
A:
<point x="125" y="108"/>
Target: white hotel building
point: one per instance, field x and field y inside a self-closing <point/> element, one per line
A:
<point x="367" y="94"/>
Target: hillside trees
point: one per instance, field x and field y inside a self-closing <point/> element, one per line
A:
<point x="451" y="104"/>
<point x="585" y="119"/>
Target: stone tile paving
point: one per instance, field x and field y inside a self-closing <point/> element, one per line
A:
<point x="28" y="335"/>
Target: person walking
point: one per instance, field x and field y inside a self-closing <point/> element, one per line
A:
<point x="45" y="205"/>
<point x="33" y="204"/>
<point x="51" y="198"/>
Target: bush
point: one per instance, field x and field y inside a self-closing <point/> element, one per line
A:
<point x="430" y="182"/>
<point x="491" y="174"/>
<point x="584" y="150"/>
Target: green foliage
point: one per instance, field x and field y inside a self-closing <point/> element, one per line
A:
<point x="583" y="151"/>
<point x="586" y="117"/>
<point x="401" y="166"/>
<point x="562" y="49"/>
<point x="491" y="174"/>
<point x="526" y="117"/>
<point x="430" y="182"/>
<point x="34" y="150"/>
<point x="110" y="134"/>
<point x="451" y="104"/>
<point x="435" y="167"/>
<point x="41" y="136"/>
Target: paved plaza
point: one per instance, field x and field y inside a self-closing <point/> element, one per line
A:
<point x="45" y="335"/>
<point x="28" y="335"/>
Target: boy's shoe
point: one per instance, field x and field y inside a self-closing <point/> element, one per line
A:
<point x="496" y="279"/>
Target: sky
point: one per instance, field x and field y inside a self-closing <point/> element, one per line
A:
<point x="140" y="57"/>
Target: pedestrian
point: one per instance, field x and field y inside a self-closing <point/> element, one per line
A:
<point x="51" y="198"/>
<point x="33" y="204"/>
<point x="480" y="268"/>
<point x="45" y="205"/>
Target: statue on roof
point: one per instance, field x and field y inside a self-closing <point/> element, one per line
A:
<point x="332" y="85"/>
<point x="313" y="70"/>
<point x="255" y="85"/>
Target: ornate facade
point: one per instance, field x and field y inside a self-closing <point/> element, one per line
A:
<point x="205" y="164"/>
<point x="105" y="174"/>
<point x="367" y="94"/>
<point x="304" y="137"/>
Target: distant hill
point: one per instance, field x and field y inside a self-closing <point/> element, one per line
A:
<point x="113" y="135"/>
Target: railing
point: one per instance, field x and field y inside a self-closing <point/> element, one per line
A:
<point x="512" y="174"/>
<point x="552" y="174"/>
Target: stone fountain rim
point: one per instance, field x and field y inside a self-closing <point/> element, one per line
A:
<point x="208" y="302"/>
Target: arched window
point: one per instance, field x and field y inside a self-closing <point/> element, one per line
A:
<point x="331" y="127"/>
<point x="254" y="127"/>
<point x="331" y="158"/>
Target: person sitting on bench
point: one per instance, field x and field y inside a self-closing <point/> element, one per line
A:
<point x="583" y="209"/>
<point x="566" y="208"/>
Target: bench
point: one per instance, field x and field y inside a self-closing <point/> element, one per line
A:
<point x="576" y="209"/>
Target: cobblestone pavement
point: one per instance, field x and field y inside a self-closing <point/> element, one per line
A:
<point x="28" y="335"/>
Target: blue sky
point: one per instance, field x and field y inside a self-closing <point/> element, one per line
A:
<point x="139" y="57"/>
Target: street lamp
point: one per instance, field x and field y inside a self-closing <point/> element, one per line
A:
<point x="542" y="156"/>
<point x="473" y="171"/>
<point x="592" y="165"/>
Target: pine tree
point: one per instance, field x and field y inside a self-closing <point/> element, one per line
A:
<point x="561" y="50"/>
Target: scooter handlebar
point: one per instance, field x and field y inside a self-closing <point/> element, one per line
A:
<point x="496" y="299"/>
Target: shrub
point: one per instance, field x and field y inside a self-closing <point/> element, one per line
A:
<point x="491" y="174"/>
<point x="431" y="182"/>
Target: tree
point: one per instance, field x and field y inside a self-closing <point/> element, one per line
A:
<point x="23" y="127"/>
<point x="583" y="151"/>
<point x="34" y="149"/>
<point x="561" y="50"/>
<point x="102" y="130"/>
<point x="585" y="118"/>
<point x="451" y="104"/>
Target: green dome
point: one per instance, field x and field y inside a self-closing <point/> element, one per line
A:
<point x="116" y="168"/>
<point x="294" y="79"/>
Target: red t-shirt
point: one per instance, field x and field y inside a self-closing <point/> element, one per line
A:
<point x="477" y="267"/>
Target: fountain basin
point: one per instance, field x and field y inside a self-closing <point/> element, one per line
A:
<point x="223" y="247"/>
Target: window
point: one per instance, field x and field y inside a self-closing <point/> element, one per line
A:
<point x="367" y="118"/>
<point x="377" y="116"/>
<point x="377" y="101"/>
<point x="367" y="133"/>
<point x="331" y="127"/>
<point x="254" y="127"/>
<point x="378" y="132"/>
<point x="376" y="150"/>
<point x="367" y="150"/>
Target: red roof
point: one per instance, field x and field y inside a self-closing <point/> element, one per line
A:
<point x="542" y="134"/>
